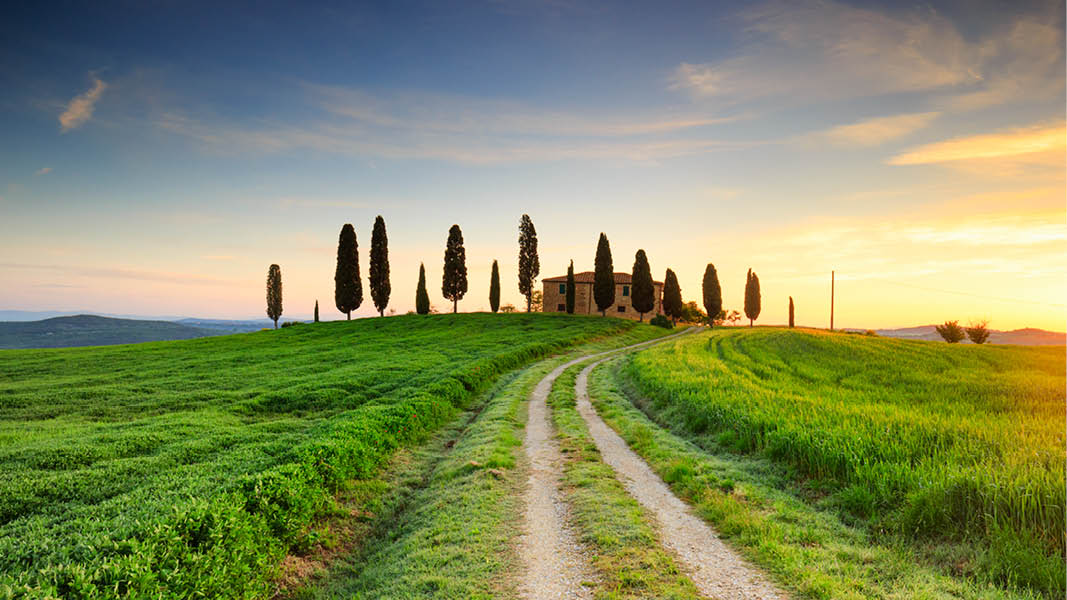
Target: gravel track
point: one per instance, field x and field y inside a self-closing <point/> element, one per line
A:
<point x="716" y="570"/>
<point x="556" y="563"/>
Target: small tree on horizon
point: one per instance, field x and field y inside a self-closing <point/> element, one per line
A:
<point x="603" y="276"/>
<point x="692" y="313"/>
<point x="712" y="294"/>
<point x="978" y="331"/>
<point x="951" y="332"/>
<point x="454" y="278"/>
<point x="347" y="288"/>
<point x="379" y="266"/>
<point x="316" y="311"/>
<point x="529" y="264"/>
<point x="274" y="293"/>
<point x="672" y="297"/>
<point x="422" y="297"/>
<point x="752" y="297"/>
<point x="792" y="323"/>
<point x="642" y="290"/>
<point x="494" y="288"/>
<point x="570" y="289"/>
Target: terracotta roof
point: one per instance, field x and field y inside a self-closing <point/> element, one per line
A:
<point x="587" y="277"/>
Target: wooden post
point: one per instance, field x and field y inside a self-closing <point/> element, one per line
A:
<point x="831" y="300"/>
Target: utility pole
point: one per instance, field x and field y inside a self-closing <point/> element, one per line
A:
<point x="831" y="300"/>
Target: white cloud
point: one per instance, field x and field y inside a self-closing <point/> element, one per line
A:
<point x="872" y="132"/>
<point x="812" y="50"/>
<point x="80" y="109"/>
<point x="43" y="171"/>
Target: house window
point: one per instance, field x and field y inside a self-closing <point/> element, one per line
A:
<point x="561" y="308"/>
<point x="625" y="292"/>
<point x="622" y="308"/>
<point x="563" y="288"/>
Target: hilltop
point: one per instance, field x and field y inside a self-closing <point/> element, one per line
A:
<point x="92" y="330"/>
<point x="1028" y="336"/>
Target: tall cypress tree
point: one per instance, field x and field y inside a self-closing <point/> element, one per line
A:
<point x="274" y="293"/>
<point x="752" y="297"/>
<point x="642" y="290"/>
<point x="603" y="276"/>
<point x="422" y="297"/>
<point x="316" y="311"/>
<point x="454" y="279"/>
<point x="347" y="288"/>
<point x="792" y="323"/>
<point x="712" y="294"/>
<point x="494" y="288"/>
<point x="570" y="289"/>
<point x="379" y="266"/>
<point x="529" y="265"/>
<point x="672" y="296"/>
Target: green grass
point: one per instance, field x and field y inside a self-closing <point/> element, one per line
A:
<point x="955" y="451"/>
<point x="451" y="536"/>
<point x="164" y="468"/>
<point x="627" y="555"/>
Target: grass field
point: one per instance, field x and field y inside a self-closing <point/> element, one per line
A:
<point x="157" y="469"/>
<point x="954" y="451"/>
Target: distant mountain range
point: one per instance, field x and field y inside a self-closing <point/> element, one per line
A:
<point x="93" y="330"/>
<point x="1022" y="337"/>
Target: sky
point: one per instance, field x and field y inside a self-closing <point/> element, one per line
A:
<point x="157" y="157"/>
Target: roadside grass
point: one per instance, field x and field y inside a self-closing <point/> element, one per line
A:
<point x="762" y="509"/>
<point x="177" y="468"/>
<point x="627" y="555"/>
<point x="957" y="450"/>
<point x="451" y="534"/>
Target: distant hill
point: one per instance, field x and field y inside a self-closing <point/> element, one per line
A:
<point x="1021" y="337"/>
<point x="229" y="325"/>
<point x="92" y="330"/>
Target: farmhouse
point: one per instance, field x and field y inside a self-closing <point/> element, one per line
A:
<point x="555" y="296"/>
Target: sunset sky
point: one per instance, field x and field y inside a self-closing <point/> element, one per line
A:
<point x="157" y="157"/>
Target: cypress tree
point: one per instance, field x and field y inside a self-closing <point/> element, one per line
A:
<point x="379" y="266"/>
<point x="422" y="298"/>
<point x="454" y="279"/>
<point x="347" y="288"/>
<point x="570" y="289"/>
<point x="792" y="323"/>
<point x="672" y="296"/>
<point x="603" y="276"/>
<point x="642" y="290"/>
<point x="752" y="297"/>
<point x="494" y="288"/>
<point x="529" y="265"/>
<point x="316" y="311"/>
<point x="712" y="294"/>
<point x="274" y="293"/>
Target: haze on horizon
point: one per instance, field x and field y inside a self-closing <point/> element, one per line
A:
<point x="157" y="157"/>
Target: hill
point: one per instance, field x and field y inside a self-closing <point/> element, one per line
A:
<point x="921" y="445"/>
<point x="192" y="467"/>
<point x="1021" y="337"/>
<point x="92" y="330"/>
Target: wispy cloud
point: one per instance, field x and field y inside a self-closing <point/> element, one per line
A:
<point x="489" y="140"/>
<point x="105" y="273"/>
<point x="80" y="109"/>
<point x="872" y="132"/>
<point x="1014" y="143"/>
<point x="43" y="171"/>
<point x="823" y="50"/>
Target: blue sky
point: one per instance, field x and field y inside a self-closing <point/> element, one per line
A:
<point x="157" y="157"/>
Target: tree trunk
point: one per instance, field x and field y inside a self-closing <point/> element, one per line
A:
<point x="275" y="323"/>
<point x="750" y="322"/>
<point x="348" y="316"/>
<point x="455" y="306"/>
<point x="381" y="312"/>
<point x="641" y="319"/>
<point x="529" y="300"/>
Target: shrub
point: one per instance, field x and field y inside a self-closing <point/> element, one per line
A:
<point x="978" y="332"/>
<point x="951" y="331"/>
<point x="661" y="321"/>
